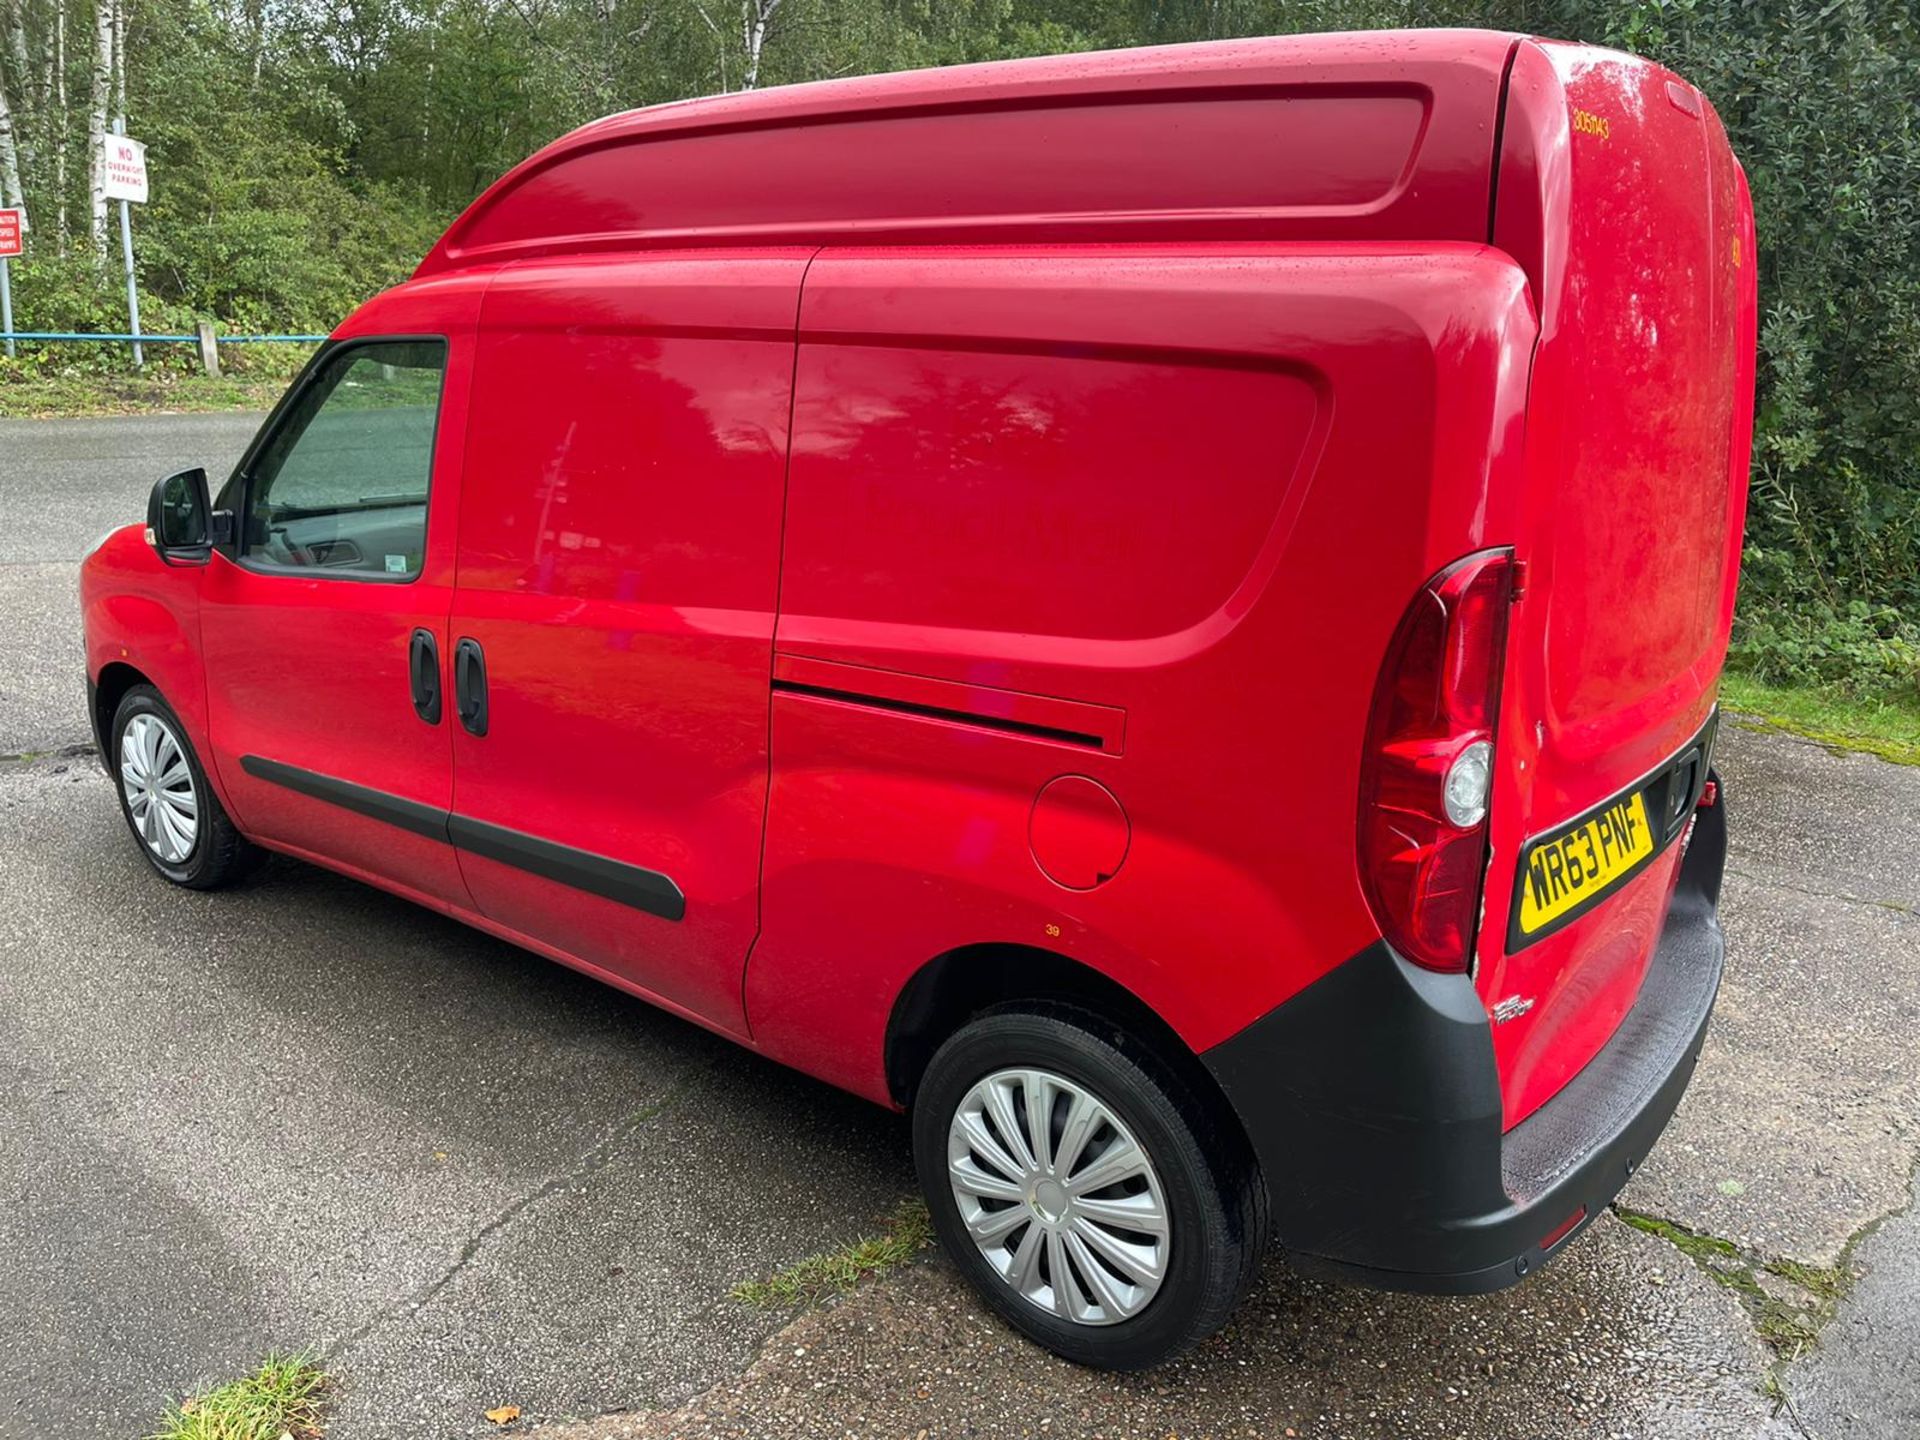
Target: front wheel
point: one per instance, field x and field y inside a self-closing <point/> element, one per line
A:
<point x="1082" y="1188"/>
<point x="173" y="813"/>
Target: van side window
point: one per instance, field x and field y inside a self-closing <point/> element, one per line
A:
<point x="341" y="485"/>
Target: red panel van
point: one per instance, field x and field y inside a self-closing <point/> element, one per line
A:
<point x="1160" y="611"/>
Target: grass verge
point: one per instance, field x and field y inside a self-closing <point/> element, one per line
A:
<point x="71" y="397"/>
<point x="1889" y="729"/>
<point x="908" y="1231"/>
<point x="286" y="1396"/>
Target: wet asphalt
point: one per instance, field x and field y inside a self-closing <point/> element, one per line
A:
<point x="305" y="1114"/>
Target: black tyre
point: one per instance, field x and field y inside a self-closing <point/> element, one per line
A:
<point x="1086" y="1192"/>
<point x="171" y="810"/>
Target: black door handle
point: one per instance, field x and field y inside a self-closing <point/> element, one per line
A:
<point x="423" y="675"/>
<point x="470" y="686"/>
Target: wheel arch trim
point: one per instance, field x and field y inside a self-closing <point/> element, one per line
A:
<point x="954" y="987"/>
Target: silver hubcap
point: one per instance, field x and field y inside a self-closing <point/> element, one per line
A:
<point x="1060" y="1198"/>
<point x="159" y="788"/>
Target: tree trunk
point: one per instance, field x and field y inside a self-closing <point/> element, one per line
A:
<point x="61" y="118"/>
<point x="9" y="152"/>
<point x="257" y="24"/>
<point x="122" y="17"/>
<point x="755" y="16"/>
<point x="43" y="93"/>
<point x="23" y="77"/>
<point x="103" y="26"/>
<point x="608" y="51"/>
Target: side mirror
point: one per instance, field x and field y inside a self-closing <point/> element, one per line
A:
<point x="181" y="522"/>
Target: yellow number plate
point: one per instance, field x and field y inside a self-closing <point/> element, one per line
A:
<point x="1563" y="874"/>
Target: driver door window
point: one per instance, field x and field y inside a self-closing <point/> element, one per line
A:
<point x="341" y="488"/>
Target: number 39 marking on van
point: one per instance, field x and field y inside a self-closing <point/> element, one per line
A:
<point x="1585" y="122"/>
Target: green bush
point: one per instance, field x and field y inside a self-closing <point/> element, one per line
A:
<point x="55" y="293"/>
<point x="1863" y="650"/>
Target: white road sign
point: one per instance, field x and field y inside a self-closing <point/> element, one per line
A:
<point x="126" y="169"/>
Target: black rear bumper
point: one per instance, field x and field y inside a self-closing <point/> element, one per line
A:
<point x="1373" y="1104"/>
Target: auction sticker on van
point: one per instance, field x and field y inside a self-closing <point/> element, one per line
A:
<point x="1567" y="872"/>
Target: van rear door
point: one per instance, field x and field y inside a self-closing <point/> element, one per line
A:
<point x="1618" y="194"/>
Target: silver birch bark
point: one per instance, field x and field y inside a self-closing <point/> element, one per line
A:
<point x="9" y="152"/>
<point x="755" y="16"/>
<point x="122" y="12"/>
<point x="26" y="103"/>
<point x="103" y="23"/>
<point x="257" y="25"/>
<point x="61" y="117"/>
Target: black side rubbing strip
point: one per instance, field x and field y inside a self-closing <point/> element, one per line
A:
<point x="615" y="880"/>
<point x="408" y="815"/>
<point x="941" y="712"/>
<point x="633" y="885"/>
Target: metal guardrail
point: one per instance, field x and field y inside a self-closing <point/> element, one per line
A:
<point x="205" y="340"/>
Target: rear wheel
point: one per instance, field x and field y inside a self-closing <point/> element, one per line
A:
<point x="1082" y="1189"/>
<point x="164" y="795"/>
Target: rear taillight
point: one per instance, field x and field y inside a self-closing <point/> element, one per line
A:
<point x="1428" y="769"/>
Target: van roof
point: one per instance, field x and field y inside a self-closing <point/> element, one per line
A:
<point x="1382" y="135"/>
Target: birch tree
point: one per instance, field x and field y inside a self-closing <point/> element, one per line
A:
<point x="9" y="150"/>
<point x="756" y="16"/>
<point x="257" y="37"/>
<point x="103" y="28"/>
<point x="23" y="103"/>
<point x="756" y="21"/>
<point x="10" y="192"/>
<point x="60" y="123"/>
<point x="122" y="14"/>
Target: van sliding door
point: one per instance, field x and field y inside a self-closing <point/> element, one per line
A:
<point x="618" y="559"/>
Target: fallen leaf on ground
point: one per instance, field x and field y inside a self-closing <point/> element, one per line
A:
<point x="504" y="1414"/>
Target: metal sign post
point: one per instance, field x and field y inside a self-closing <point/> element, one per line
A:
<point x="13" y="228"/>
<point x="126" y="180"/>
<point x="133" y="290"/>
